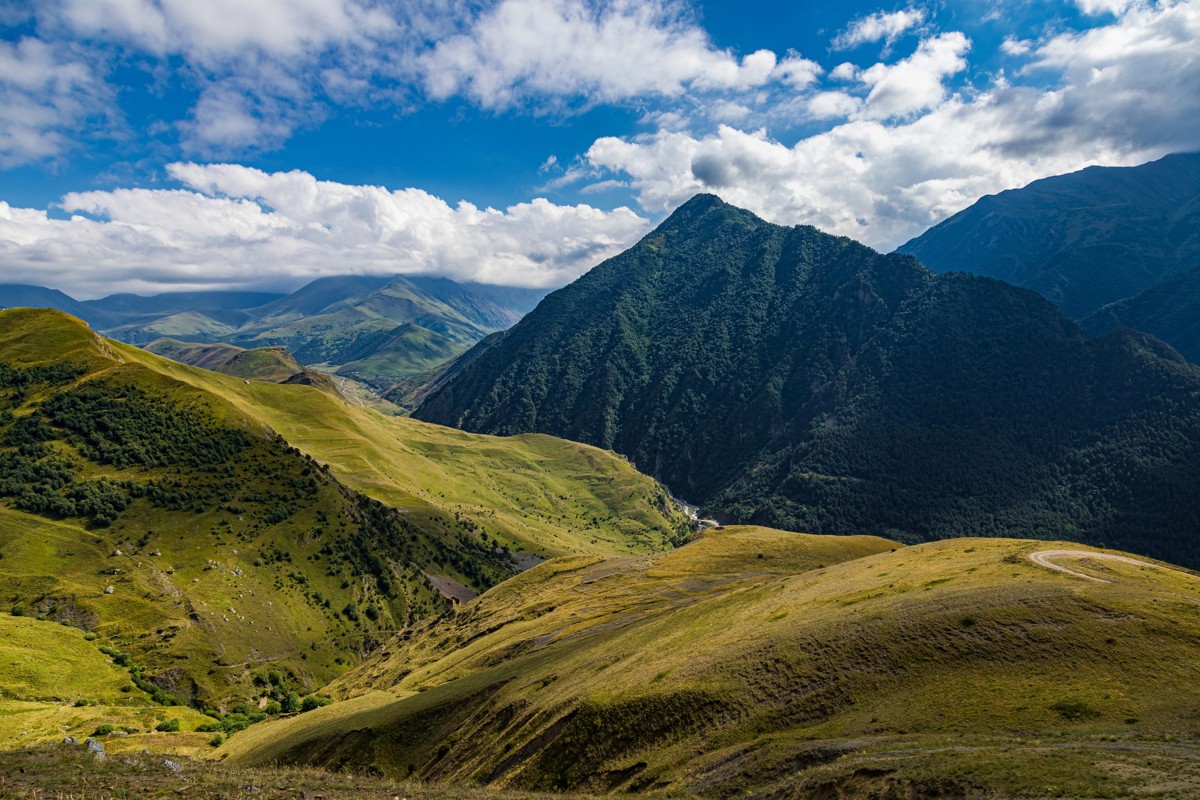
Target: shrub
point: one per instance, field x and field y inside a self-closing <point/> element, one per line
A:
<point x="170" y="726"/>
<point x="104" y="730"/>
<point x="314" y="701"/>
<point x="1075" y="710"/>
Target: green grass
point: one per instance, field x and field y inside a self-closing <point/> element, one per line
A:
<point x="712" y="666"/>
<point x="266" y="560"/>
<point x="58" y="683"/>
<point x="536" y="494"/>
<point x="40" y="659"/>
<point x="274" y="364"/>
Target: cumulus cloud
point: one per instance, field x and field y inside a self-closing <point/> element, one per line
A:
<point x="47" y="95"/>
<point x="913" y="154"/>
<point x="233" y="226"/>
<point x="263" y="69"/>
<point x="569" y="49"/>
<point x="261" y="66"/>
<point x="882" y="26"/>
<point x="915" y="83"/>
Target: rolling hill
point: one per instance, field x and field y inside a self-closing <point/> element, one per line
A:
<point x="754" y="660"/>
<point x="273" y="364"/>
<point x="157" y="505"/>
<point x="1083" y="240"/>
<point x="378" y="330"/>
<point x="786" y="377"/>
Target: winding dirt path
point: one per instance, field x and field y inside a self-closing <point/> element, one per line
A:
<point x="1045" y="558"/>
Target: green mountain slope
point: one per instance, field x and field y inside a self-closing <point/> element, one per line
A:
<point x="785" y="377"/>
<point x="156" y="504"/>
<point x="273" y="364"/>
<point x="380" y="332"/>
<point x="1083" y="240"/>
<point x="1169" y="310"/>
<point x="785" y="664"/>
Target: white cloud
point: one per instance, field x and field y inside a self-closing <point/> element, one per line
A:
<point x="548" y="50"/>
<point x="217" y="31"/>
<point x="47" y="96"/>
<point x="1119" y="94"/>
<point x="798" y="72"/>
<point x="260" y="65"/>
<point x="234" y="226"/>
<point x="915" y="83"/>
<point x="1097" y="7"/>
<point x="1013" y="46"/>
<point x="833" y="105"/>
<point x="844" y="72"/>
<point x="880" y="26"/>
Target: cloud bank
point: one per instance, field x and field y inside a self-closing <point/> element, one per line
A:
<point x="909" y="152"/>
<point x="237" y="227"/>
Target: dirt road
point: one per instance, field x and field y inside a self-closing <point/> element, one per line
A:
<point x="1046" y="558"/>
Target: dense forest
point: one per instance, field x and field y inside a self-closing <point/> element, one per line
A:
<point x="787" y="377"/>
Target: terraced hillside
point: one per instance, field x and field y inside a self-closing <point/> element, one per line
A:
<point x="157" y="505"/>
<point x="790" y="665"/>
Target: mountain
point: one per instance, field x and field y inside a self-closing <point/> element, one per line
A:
<point x="273" y="364"/>
<point x="382" y="331"/>
<point x="16" y="295"/>
<point x="204" y="526"/>
<point x="753" y="662"/>
<point x="378" y="330"/>
<point x="786" y="377"/>
<point x="221" y="306"/>
<point x="1169" y="310"/>
<point x="1083" y="240"/>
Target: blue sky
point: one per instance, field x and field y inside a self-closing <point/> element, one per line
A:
<point x="153" y="145"/>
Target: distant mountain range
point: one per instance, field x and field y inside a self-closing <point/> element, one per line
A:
<point x="787" y="377"/>
<point x="1101" y="236"/>
<point x="375" y="329"/>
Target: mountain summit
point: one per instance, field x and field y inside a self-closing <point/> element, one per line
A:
<point x="788" y="377"/>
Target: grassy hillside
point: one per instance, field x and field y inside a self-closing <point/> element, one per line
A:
<point x="273" y="364"/>
<point x="760" y="659"/>
<point x="534" y="494"/>
<point x="198" y="354"/>
<point x="403" y="351"/>
<point x="56" y="682"/>
<point x="156" y="504"/>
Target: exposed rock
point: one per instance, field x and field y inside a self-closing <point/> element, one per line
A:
<point x="94" y="747"/>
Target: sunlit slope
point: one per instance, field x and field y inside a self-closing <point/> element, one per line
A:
<point x="57" y="683"/>
<point x="157" y="514"/>
<point x="535" y="493"/>
<point x="157" y="505"/>
<point x="274" y="364"/>
<point x="748" y="657"/>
